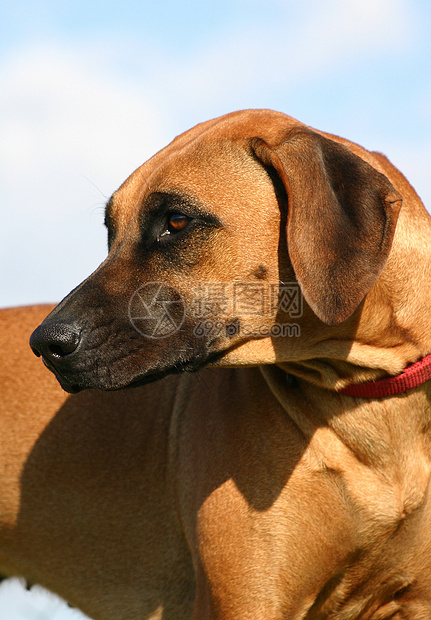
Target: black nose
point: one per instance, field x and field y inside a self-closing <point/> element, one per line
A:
<point x="54" y="340"/>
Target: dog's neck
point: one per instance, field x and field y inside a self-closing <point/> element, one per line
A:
<point x="348" y="433"/>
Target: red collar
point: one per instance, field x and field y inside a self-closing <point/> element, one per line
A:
<point x="413" y="376"/>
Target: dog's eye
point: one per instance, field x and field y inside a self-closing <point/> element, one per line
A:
<point x="175" y="223"/>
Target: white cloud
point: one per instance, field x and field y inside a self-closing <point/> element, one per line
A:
<point x="53" y="110"/>
<point x="18" y="603"/>
<point x="303" y="43"/>
<point x="62" y="128"/>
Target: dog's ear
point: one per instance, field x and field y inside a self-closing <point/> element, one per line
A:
<point x="341" y="219"/>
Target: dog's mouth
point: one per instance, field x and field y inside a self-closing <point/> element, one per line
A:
<point x="66" y="385"/>
<point x="191" y="365"/>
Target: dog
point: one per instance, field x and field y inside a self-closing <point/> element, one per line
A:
<point x="289" y="477"/>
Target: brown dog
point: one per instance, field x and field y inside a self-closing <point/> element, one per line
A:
<point x="261" y="492"/>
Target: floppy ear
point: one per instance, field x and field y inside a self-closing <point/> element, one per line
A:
<point x="341" y="219"/>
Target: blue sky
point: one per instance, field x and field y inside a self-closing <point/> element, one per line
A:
<point x="90" y="90"/>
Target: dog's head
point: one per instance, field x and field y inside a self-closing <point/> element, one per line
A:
<point x="214" y="244"/>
